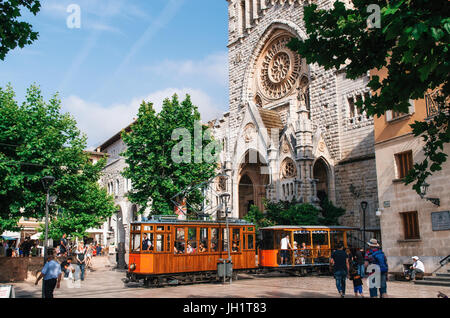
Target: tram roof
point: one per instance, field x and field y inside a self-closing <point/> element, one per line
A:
<point x="302" y="227"/>
<point x="159" y="219"/>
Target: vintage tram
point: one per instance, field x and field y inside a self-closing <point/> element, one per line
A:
<point x="165" y="250"/>
<point x="309" y="249"/>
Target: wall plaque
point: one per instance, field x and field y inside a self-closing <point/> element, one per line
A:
<point x="440" y="221"/>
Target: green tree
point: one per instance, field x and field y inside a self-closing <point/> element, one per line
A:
<point x="37" y="140"/>
<point x="411" y="43"/>
<point x="330" y="213"/>
<point x="292" y="213"/>
<point x="13" y="32"/>
<point x="167" y="152"/>
<point x="257" y="217"/>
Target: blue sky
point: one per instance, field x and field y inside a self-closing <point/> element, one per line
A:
<point x="124" y="52"/>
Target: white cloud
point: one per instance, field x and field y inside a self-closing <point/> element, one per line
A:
<point x="213" y="67"/>
<point x="101" y="122"/>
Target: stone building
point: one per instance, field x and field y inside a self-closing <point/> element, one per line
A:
<point x="411" y="225"/>
<point x="292" y="129"/>
<point x="118" y="225"/>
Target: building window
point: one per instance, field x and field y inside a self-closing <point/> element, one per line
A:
<point x="404" y="163"/>
<point x="410" y="225"/>
<point x="288" y="169"/>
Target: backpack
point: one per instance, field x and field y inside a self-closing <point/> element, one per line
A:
<point x="379" y="259"/>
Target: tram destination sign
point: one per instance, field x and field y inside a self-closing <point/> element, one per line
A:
<point x="440" y="221"/>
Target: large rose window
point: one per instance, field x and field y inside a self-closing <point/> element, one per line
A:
<point x="279" y="68"/>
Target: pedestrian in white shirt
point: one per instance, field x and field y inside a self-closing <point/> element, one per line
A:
<point x="417" y="267"/>
<point x="285" y="244"/>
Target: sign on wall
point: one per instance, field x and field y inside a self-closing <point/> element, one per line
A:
<point x="440" y="221"/>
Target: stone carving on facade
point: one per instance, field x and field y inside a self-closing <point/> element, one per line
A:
<point x="221" y="184"/>
<point x="279" y="68"/>
<point x="249" y="132"/>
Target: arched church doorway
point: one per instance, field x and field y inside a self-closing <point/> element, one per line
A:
<point x="320" y="172"/>
<point x="253" y="178"/>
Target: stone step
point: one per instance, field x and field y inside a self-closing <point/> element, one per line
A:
<point x="432" y="283"/>
<point x="437" y="279"/>
<point x="442" y="275"/>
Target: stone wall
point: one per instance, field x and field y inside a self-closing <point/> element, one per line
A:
<point x="432" y="245"/>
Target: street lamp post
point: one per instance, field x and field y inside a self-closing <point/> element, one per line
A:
<point x="224" y="198"/>
<point x="364" y="207"/>
<point x="47" y="182"/>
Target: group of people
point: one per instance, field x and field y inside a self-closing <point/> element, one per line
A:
<point x="25" y="249"/>
<point x="72" y="268"/>
<point x="361" y="265"/>
<point x="345" y="265"/>
<point x="300" y="253"/>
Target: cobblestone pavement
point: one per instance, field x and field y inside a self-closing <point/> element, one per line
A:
<point x="104" y="282"/>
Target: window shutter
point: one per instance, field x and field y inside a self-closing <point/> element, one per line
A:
<point x="388" y="115"/>
<point x="411" y="108"/>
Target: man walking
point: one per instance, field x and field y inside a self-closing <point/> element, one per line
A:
<point x="63" y="245"/>
<point x="341" y="267"/>
<point x="51" y="272"/>
<point x="376" y="256"/>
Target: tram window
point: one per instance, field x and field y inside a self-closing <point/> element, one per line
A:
<point x="168" y="243"/>
<point x="214" y="239"/>
<point x="180" y="234"/>
<point x="250" y="229"/>
<point x="336" y="237"/>
<point x="250" y="241"/>
<point x="235" y="244"/>
<point x="160" y="242"/>
<point x="191" y="246"/>
<point x="204" y="238"/>
<point x="147" y="242"/>
<point x="224" y="241"/>
<point x="303" y="237"/>
<point x="160" y="228"/>
<point x="179" y="247"/>
<point x="136" y="228"/>
<point x="320" y="238"/>
<point x="148" y="228"/>
<point x="136" y="242"/>
<point x="267" y="240"/>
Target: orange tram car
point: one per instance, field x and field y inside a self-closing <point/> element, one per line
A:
<point x="167" y="251"/>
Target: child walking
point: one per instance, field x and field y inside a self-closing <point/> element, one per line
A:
<point x="357" y="282"/>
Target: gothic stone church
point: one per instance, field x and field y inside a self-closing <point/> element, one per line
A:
<point x="292" y="130"/>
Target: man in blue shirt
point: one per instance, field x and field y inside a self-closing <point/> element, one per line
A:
<point x="51" y="272"/>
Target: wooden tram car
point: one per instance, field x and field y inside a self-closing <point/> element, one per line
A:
<point x="311" y="247"/>
<point x="181" y="250"/>
<point x="189" y="251"/>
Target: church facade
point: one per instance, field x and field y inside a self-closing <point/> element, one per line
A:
<point x="292" y="130"/>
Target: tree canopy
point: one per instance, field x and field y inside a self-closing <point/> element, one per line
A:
<point x="13" y="32"/>
<point x="294" y="213"/>
<point x="37" y="140"/>
<point x="409" y="38"/>
<point x="167" y="153"/>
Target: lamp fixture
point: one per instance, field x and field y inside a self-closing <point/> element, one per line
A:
<point x="423" y="192"/>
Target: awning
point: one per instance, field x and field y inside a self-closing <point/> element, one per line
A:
<point x="36" y="236"/>
<point x="7" y="235"/>
<point x="99" y="231"/>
